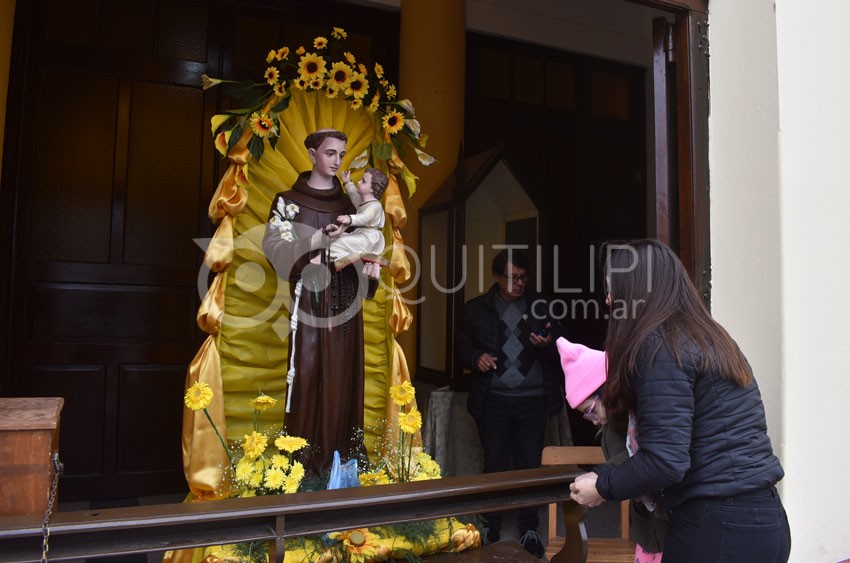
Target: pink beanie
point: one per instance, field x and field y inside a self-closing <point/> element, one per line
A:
<point x="584" y="370"/>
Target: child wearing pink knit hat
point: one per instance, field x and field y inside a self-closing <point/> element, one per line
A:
<point x="584" y="375"/>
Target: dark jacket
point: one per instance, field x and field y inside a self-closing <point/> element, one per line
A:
<point x="483" y="331"/>
<point x="700" y="435"/>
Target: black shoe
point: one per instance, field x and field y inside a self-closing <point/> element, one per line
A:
<point x="493" y="536"/>
<point x="532" y="543"/>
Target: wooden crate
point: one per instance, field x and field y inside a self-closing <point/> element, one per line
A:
<point x="29" y="435"/>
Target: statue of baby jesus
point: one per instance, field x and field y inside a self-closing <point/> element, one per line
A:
<point x="366" y="242"/>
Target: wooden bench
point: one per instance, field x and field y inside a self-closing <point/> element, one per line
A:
<point x="124" y="531"/>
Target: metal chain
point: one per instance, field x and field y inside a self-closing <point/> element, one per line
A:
<point x="58" y="468"/>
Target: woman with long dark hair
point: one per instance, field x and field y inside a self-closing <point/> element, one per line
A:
<point x="704" y="450"/>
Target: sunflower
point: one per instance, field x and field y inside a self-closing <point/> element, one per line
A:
<point x="358" y="86"/>
<point x="340" y="75"/>
<point x="356" y="103"/>
<point x="300" y="83"/>
<point x="410" y="422"/>
<point x="263" y="402"/>
<point x="282" y="53"/>
<point x="255" y="444"/>
<point x="275" y="477"/>
<point x="271" y="56"/>
<point x="361" y="544"/>
<point x="198" y="396"/>
<point x="393" y="122"/>
<point x="349" y="57"/>
<point x="402" y="394"/>
<point x="362" y="68"/>
<point x="339" y="33"/>
<point x="379" y="70"/>
<point x="311" y="66"/>
<point x="391" y="92"/>
<point x="300" y="50"/>
<point x="262" y="125"/>
<point x="316" y="83"/>
<point x="320" y="42"/>
<point x="280" y="89"/>
<point x="331" y="92"/>
<point x="271" y="75"/>
<point x="290" y="444"/>
<point x="373" y="106"/>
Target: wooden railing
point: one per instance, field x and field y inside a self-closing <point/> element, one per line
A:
<point x="122" y="531"/>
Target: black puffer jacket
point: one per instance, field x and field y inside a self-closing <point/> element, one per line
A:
<point x="483" y="331"/>
<point x="699" y="435"/>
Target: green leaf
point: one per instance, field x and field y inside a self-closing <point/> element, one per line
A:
<point x="235" y="135"/>
<point x="256" y="147"/>
<point x="273" y="142"/>
<point x="281" y="105"/>
<point x="240" y="111"/>
<point x="399" y="148"/>
<point x="383" y="151"/>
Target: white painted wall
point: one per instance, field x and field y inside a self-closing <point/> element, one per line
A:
<point x="780" y="219"/>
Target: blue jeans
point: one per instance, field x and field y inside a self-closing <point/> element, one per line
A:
<point x="747" y="528"/>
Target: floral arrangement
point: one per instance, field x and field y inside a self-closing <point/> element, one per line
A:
<point x="260" y="464"/>
<point x="335" y="73"/>
<point x="282" y="219"/>
<point x="263" y="464"/>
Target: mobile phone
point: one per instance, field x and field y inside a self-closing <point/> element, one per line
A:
<point x="543" y="332"/>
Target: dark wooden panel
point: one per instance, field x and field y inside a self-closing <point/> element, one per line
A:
<point x="163" y="185"/>
<point x="150" y="409"/>
<point x="82" y="423"/>
<point x="75" y="23"/>
<point x="72" y="164"/>
<point x="182" y="32"/>
<point x="128" y="26"/>
<point x="88" y="312"/>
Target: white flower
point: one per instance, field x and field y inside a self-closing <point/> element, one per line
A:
<point x="291" y="211"/>
<point x="285" y="226"/>
<point x="362" y="160"/>
<point x="424" y="158"/>
<point x="407" y="106"/>
<point x="413" y="126"/>
<point x="287" y="236"/>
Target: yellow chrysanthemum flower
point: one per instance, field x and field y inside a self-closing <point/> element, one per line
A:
<point x="198" y="396"/>
<point x="248" y="493"/>
<point x="300" y="50"/>
<point x="379" y="70"/>
<point x="263" y="402"/>
<point x="360" y="544"/>
<point x="281" y="461"/>
<point x="356" y="103"/>
<point x="391" y="92"/>
<point x="375" y="478"/>
<point x="271" y="75"/>
<point x="271" y="56"/>
<point x="291" y="484"/>
<point x="410" y="422"/>
<point x="340" y="75"/>
<point x="339" y="33"/>
<point x="244" y="470"/>
<point x="275" y="477"/>
<point x="403" y="394"/>
<point x="297" y="471"/>
<point x="349" y="57"/>
<point x="255" y="444"/>
<point x="262" y="125"/>
<point x="320" y="42"/>
<point x="358" y="86"/>
<point x="282" y="53"/>
<point x="311" y="66"/>
<point x="376" y="100"/>
<point x="256" y="479"/>
<point x="393" y="122"/>
<point x="290" y="444"/>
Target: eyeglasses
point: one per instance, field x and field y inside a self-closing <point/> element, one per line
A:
<point x="520" y="278"/>
<point x="589" y="414"/>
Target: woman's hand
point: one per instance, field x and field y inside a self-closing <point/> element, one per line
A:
<point x="583" y="490"/>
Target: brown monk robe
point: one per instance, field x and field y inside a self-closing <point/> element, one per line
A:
<point x="327" y="396"/>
